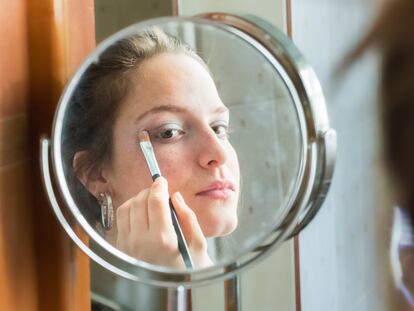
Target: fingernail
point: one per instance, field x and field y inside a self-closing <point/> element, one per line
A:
<point x="161" y="180"/>
<point x="179" y="197"/>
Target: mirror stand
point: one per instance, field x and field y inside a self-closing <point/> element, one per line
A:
<point x="179" y="299"/>
<point x="232" y="295"/>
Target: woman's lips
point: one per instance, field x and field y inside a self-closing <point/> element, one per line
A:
<point x="218" y="190"/>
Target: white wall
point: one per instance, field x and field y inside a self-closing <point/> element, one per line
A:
<point x="343" y="253"/>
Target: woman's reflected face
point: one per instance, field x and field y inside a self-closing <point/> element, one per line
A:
<point x="174" y="98"/>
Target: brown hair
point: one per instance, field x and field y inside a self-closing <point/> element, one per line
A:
<point x="95" y="103"/>
<point x="393" y="34"/>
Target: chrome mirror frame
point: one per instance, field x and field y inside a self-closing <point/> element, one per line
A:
<point x="318" y="152"/>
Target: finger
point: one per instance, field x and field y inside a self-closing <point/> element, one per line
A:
<point x="188" y="221"/>
<point x="139" y="212"/>
<point x="159" y="217"/>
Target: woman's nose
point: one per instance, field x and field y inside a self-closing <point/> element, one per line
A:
<point x="212" y="153"/>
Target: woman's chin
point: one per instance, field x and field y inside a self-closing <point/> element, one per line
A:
<point x="220" y="227"/>
<point x="216" y="217"/>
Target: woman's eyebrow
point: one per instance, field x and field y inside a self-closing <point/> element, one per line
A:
<point x="161" y="108"/>
<point x="175" y="109"/>
<point x="221" y="109"/>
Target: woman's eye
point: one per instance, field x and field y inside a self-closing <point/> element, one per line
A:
<point x="221" y="130"/>
<point x="167" y="134"/>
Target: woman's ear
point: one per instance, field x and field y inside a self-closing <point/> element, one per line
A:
<point x="91" y="177"/>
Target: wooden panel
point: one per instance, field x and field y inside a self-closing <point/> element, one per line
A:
<point x="40" y="269"/>
<point x="61" y="33"/>
<point x="17" y="269"/>
<point x="13" y="58"/>
<point x="17" y="261"/>
<point x="13" y="139"/>
<point x="289" y="18"/>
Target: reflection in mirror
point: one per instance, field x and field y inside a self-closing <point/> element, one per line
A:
<point x="224" y="130"/>
<point x="151" y="82"/>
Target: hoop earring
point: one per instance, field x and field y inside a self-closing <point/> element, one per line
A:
<point x="107" y="211"/>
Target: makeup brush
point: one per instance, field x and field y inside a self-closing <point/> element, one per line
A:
<point x="148" y="151"/>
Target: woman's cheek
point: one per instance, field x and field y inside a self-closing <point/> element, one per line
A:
<point x="173" y="167"/>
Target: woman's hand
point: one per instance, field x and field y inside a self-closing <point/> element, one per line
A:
<point x="145" y="229"/>
<point x="194" y="237"/>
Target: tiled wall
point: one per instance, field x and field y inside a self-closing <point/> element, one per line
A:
<point x="344" y="251"/>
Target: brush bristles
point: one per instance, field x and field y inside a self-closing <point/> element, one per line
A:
<point x="143" y="136"/>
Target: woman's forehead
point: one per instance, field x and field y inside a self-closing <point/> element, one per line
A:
<point x="169" y="73"/>
<point x="172" y="79"/>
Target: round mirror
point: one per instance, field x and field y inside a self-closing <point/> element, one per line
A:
<point x="226" y="110"/>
